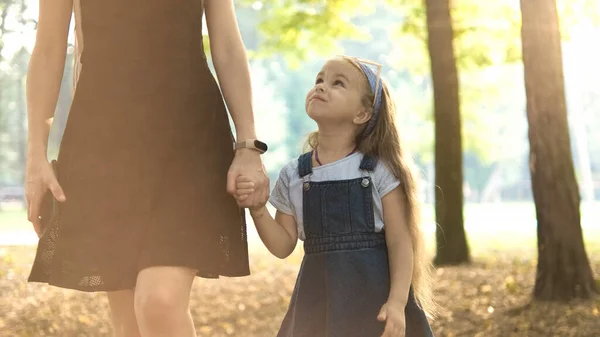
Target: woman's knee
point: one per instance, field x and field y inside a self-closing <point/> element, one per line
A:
<point x="158" y="303"/>
<point x="162" y="293"/>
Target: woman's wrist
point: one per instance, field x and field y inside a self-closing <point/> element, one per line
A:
<point x="245" y="151"/>
<point x="37" y="151"/>
<point x="245" y="133"/>
<point x="37" y="140"/>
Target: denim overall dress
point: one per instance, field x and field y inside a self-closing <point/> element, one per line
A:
<point x="344" y="277"/>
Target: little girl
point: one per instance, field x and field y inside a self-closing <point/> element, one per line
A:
<point x="353" y="201"/>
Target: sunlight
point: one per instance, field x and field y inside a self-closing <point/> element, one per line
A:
<point x="493" y="246"/>
<point x="257" y="5"/>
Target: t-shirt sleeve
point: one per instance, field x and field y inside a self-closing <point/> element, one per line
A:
<point x="280" y="196"/>
<point x="385" y="181"/>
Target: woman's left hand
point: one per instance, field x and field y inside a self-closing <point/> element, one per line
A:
<point x="395" y="321"/>
<point x="247" y="162"/>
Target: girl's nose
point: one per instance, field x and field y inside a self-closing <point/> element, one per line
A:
<point x="320" y="87"/>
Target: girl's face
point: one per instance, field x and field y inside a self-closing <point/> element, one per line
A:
<point x="336" y="96"/>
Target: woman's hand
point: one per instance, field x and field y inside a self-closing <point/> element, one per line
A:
<point x="39" y="177"/>
<point x="395" y="320"/>
<point x="248" y="163"/>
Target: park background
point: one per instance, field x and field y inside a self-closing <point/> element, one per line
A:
<point x="459" y="78"/>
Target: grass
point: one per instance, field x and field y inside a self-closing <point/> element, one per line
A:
<point x="490" y="297"/>
<point x="13" y="220"/>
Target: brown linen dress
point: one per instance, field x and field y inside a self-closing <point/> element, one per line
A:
<point x="145" y="153"/>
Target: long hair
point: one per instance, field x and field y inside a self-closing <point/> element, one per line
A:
<point x="383" y="142"/>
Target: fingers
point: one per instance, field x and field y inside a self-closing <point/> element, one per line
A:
<point x="266" y="191"/>
<point x="393" y="327"/>
<point x="231" y="179"/>
<point x="252" y="191"/>
<point x="262" y="190"/>
<point x="33" y="210"/>
<point x="382" y="313"/>
<point x="261" y="196"/>
<point x="243" y="179"/>
<point x="390" y="330"/>
<point x="244" y="188"/>
<point x="57" y="191"/>
<point x="39" y="179"/>
<point x="244" y="191"/>
<point x="37" y="227"/>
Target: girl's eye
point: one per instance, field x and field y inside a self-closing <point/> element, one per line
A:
<point x="318" y="81"/>
<point x="338" y="82"/>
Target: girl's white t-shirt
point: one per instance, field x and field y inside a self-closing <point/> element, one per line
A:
<point x="287" y="193"/>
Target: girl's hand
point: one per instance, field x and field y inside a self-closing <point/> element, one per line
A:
<point x="244" y="189"/>
<point x="395" y="320"/>
<point x="248" y="164"/>
<point x="39" y="178"/>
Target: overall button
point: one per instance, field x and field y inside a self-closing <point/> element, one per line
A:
<point x="306" y="186"/>
<point x="365" y="182"/>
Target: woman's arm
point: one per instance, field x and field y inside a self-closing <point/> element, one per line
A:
<point x="44" y="76"/>
<point x="45" y="72"/>
<point x="399" y="245"/>
<point x="279" y="235"/>
<point x="231" y="65"/>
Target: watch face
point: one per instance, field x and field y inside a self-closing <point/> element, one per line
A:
<point x="260" y="145"/>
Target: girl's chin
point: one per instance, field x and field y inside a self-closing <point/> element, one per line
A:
<point x="316" y="113"/>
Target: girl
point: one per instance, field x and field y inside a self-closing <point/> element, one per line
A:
<point x="146" y="156"/>
<point x="353" y="200"/>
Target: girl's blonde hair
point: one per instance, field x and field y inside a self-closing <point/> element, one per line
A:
<point x="383" y="142"/>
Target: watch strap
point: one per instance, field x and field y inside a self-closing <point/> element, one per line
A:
<point x="251" y="144"/>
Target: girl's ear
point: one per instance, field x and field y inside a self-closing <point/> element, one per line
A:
<point x="363" y="116"/>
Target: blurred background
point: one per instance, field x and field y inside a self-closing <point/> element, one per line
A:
<point x="472" y="148"/>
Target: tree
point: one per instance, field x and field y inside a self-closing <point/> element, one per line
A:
<point x="563" y="269"/>
<point x="452" y="245"/>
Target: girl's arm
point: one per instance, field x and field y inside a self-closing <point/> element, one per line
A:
<point x="44" y="76"/>
<point x="399" y="245"/>
<point x="231" y="65"/>
<point x="279" y="235"/>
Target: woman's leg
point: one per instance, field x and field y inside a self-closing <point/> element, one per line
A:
<point x="123" y="314"/>
<point x="162" y="297"/>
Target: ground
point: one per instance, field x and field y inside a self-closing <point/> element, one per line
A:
<point x="490" y="297"/>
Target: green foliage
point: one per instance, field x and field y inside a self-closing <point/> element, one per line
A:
<point x="485" y="33"/>
<point x="299" y="29"/>
<point x="574" y="13"/>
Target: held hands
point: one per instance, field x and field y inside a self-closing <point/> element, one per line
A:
<point x="244" y="189"/>
<point x="395" y="320"/>
<point x="248" y="169"/>
<point x="39" y="178"/>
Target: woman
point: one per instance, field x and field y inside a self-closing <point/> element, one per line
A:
<point x="145" y="158"/>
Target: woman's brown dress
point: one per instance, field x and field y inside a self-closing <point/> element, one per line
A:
<point x="145" y="153"/>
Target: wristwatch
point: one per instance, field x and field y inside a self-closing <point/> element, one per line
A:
<point x="252" y="144"/>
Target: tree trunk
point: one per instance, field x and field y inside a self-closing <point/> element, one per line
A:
<point x="563" y="270"/>
<point x="452" y="245"/>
